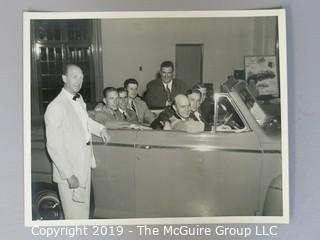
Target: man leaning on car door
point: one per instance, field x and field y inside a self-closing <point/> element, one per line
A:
<point x="69" y="144"/>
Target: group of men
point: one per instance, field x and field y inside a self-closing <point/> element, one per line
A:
<point x="122" y="107"/>
<point x="183" y="109"/>
<point x="69" y="126"/>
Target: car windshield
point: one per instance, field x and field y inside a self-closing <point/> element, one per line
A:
<point x="266" y="115"/>
<point x="253" y="106"/>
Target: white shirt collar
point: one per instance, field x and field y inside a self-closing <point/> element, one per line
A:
<point x="68" y="94"/>
<point x="169" y="85"/>
<point x="197" y="114"/>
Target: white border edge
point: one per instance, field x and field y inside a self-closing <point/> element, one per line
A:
<point x="28" y="16"/>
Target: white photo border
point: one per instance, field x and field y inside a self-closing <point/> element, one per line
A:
<point x="279" y="13"/>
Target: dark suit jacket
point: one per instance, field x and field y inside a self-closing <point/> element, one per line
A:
<point x="144" y="114"/>
<point x="207" y="126"/>
<point x="207" y="110"/>
<point x="156" y="95"/>
<point x="164" y="116"/>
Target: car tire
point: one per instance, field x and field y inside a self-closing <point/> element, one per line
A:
<point x="273" y="201"/>
<point x="46" y="204"/>
<point x="92" y="204"/>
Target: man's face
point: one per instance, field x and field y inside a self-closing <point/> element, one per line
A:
<point x="182" y="106"/>
<point x="166" y="74"/>
<point x="132" y="90"/>
<point x="123" y="100"/>
<point x="111" y="100"/>
<point x="73" y="79"/>
<point x="194" y="100"/>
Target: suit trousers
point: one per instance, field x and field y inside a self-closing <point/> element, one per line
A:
<point x="71" y="208"/>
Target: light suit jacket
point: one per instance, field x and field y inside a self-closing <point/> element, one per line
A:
<point x="66" y="141"/>
<point x="144" y="114"/>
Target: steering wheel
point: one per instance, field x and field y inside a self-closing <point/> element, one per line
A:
<point x="227" y="118"/>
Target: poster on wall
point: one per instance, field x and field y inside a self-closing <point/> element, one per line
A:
<point x="261" y="75"/>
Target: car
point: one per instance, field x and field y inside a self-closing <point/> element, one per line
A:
<point x="231" y="170"/>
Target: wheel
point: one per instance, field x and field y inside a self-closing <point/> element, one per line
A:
<point x="273" y="201"/>
<point x="46" y="205"/>
<point x="92" y="204"/>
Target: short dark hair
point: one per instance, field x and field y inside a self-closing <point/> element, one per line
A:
<point x="129" y="81"/>
<point x="166" y="64"/>
<point x="67" y="66"/>
<point x="107" y="90"/>
<point x="193" y="90"/>
<point x="121" y="89"/>
<point x="199" y="85"/>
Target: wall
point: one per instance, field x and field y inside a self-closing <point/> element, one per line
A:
<point x="129" y="44"/>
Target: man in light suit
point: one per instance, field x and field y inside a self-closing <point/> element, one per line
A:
<point x="69" y="144"/>
<point x="162" y="91"/>
<point x="144" y="115"/>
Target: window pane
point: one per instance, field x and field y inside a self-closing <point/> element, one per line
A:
<point x="62" y="42"/>
<point x="49" y="94"/>
<point x="52" y="68"/>
<point x="58" y="54"/>
<point x="44" y="68"/>
<point x="43" y="54"/>
<point x="51" y="54"/>
<point x="50" y="34"/>
<point x="59" y="68"/>
<point x="57" y="34"/>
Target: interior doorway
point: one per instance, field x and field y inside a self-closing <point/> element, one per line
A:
<point x="189" y="63"/>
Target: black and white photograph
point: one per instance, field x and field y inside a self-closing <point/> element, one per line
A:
<point x="155" y="117"/>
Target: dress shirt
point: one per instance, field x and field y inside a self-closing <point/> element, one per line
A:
<point x="81" y="112"/>
<point x="169" y="85"/>
<point x="123" y="113"/>
<point x="198" y="115"/>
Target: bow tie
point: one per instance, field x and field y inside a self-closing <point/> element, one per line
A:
<point x="77" y="95"/>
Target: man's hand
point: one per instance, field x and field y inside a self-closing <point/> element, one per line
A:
<point x="73" y="182"/>
<point x="105" y="135"/>
<point x="138" y="126"/>
<point x="166" y="125"/>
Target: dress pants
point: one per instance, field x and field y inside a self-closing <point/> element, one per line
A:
<point x="71" y="208"/>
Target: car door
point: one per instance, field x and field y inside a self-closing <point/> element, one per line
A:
<point x="114" y="178"/>
<point x="215" y="173"/>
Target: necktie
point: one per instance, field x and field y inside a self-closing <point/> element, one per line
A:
<point x="168" y="93"/>
<point x="193" y="116"/>
<point x="77" y="95"/>
<point x="114" y="115"/>
<point x="200" y="117"/>
<point x="133" y="107"/>
<point x="124" y="115"/>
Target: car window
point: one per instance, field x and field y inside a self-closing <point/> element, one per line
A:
<point x="227" y="119"/>
<point x="255" y="109"/>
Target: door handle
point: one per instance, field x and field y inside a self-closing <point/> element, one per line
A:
<point x="146" y="147"/>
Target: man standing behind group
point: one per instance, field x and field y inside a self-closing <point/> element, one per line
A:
<point x="161" y="92"/>
<point x="143" y="113"/>
<point x="68" y="134"/>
